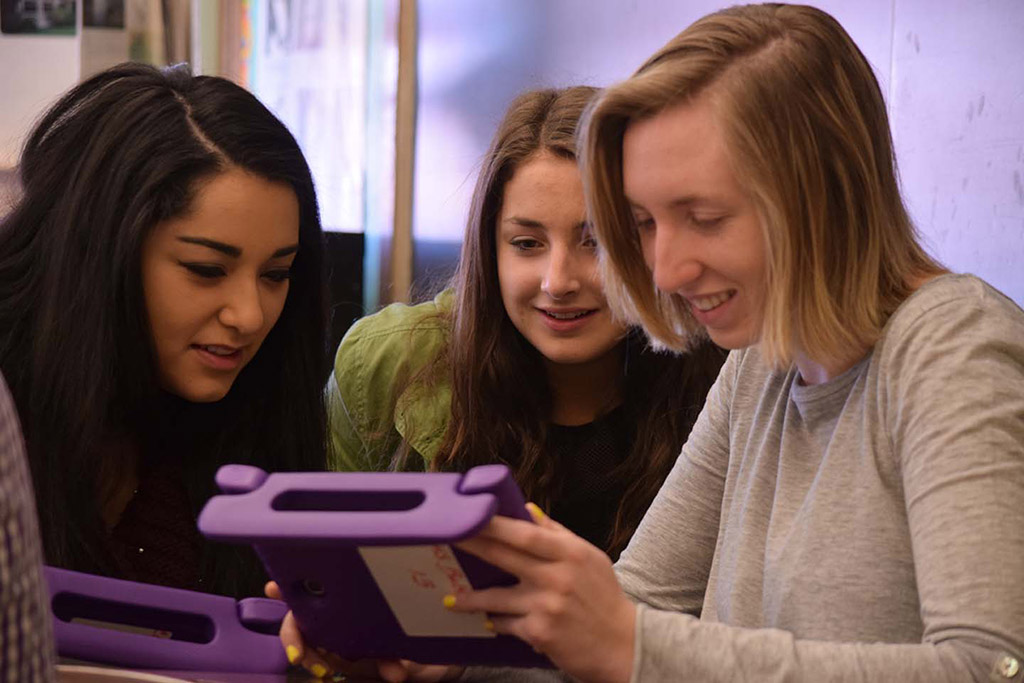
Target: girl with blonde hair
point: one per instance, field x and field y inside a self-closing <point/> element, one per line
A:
<point x="847" y="506"/>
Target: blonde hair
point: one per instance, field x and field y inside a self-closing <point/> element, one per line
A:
<point x="807" y="133"/>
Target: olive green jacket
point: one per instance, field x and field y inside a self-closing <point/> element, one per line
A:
<point x="380" y="353"/>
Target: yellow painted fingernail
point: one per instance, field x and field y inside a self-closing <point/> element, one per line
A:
<point x="318" y="670"/>
<point x="449" y="601"/>
<point x="293" y="654"/>
<point x="489" y="625"/>
<point x="535" y="512"/>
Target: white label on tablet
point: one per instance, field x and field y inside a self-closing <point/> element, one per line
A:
<point x="414" y="580"/>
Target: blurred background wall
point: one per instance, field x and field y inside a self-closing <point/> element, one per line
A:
<point x="953" y="71"/>
<point x="394" y="102"/>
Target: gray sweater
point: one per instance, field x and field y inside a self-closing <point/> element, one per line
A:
<point x="870" y="528"/>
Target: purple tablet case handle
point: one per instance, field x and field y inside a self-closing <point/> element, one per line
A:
<point x="201" y="632"/>
<point x="308" y="528"/>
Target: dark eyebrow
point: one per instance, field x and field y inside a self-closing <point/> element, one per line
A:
<point x="212" y="244"/>
<point x="233" y="251"/>
<point x="525" y="222"/>
<point x="285" y="251"/>
<point x="530" y="223"/>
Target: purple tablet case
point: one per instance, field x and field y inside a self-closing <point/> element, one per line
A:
<point x="314" y="531"/>
<point x="156" y="627"/>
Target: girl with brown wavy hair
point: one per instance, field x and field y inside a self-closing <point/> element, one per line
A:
<point x="521" y="361"/>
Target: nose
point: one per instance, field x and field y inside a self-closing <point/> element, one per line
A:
<point x="672" y="258"/>
<point x="562" y="277"/>
<point x="242" y="310"/>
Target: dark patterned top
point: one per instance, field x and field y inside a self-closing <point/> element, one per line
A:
<point x="592" y="490"/>
<point x="156" y="539"/>
<point x="26" y="641"/>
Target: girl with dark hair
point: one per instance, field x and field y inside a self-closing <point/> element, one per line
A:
<point x="162" y="312"/>
<point x="521" y="362"/>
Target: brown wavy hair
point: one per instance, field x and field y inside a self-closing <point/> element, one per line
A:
<point x="501" y="400"/>
<point x="808" y="136"/>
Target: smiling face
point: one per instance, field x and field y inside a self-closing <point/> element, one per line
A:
<point x="547" y="264"/>
<point x="700" y="232"/>
<point x="215" y="281"/>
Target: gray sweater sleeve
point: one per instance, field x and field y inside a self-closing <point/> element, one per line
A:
<point x="945" y="397"/>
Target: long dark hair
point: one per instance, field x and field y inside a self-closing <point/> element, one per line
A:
<point x="501" y="403"/>
<point x="119" y="153"/>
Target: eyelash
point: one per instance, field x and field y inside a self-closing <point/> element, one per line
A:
<point x="707" y="223"/>
<point x="203" y="271"/>
<point x="521" y="244"/>
<point x="588" y="240"/>
<point x="208" y="272"/>
<point x="524" y="244"/>
<point x="278" y="275"/>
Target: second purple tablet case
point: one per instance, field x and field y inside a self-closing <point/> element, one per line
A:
<point x="112" y="621"/>
<point x="364" y="558"/>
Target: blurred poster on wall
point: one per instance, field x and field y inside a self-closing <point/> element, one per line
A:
<point x="53" y="17"/>
<point x="103" y="13"/>
<point x="309" y="66"/>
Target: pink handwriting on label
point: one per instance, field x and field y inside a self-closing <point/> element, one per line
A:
<point x="445" y="561"/>
<point x="413" y="580"/>
<point x="422" y="579"/>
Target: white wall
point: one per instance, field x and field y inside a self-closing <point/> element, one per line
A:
<point x="957" y="108"/>
<point x="953" y="71"/>
<point x="35" y="71"/>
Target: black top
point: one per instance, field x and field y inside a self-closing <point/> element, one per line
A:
<point x="156" y="539"/>
<point x="591" y="490"/>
